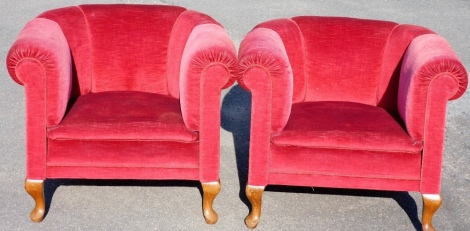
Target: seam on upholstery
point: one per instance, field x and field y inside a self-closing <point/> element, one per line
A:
<point x="45" y="113"/>
<point x="115" y="166"/>
<point x="306" y="77"/>
<point x="380" y="77"/>
<point x="45" y="122"/>
<point x="202" y="89"/>
<point x="424" y="128"/>
<point x="256" y="65"/>
<point x="216" y="63"/>
<point x="167" y="60"/>
<point x="352" y="149"/>
<point x="140" y="140"/>
<point x="304" y="58"/>
<point x="426" y="119"/>
<point x="269" y="122"/>
<point x="305" y="86"/>
<point x="28" y="58"/>
<point x="449" y="74"/>
<point x="269" y="127"/>
<point x="346" y="175"/>
<point x="91" y="77"/>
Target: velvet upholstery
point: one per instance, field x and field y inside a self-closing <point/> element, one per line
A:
<point x="348" y="103"/>
<point x="142" y="116"/>
<point x="123" y="92"/>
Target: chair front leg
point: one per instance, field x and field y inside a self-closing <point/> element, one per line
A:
<point x="254" y="194"/>
<point x="35" y="188"/>
<point x="210" y="191"/>
<point x="431" y="202"/>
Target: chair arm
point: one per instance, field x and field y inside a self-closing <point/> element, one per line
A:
<point x="266" y="73"/>
<point x="208" y="65"/>
<point x="431" y="74"/>
<point x="40" y="60"/>
<point x="430" y="67"/>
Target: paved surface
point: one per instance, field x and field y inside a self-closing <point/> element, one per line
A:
<point x="162" y="205"/>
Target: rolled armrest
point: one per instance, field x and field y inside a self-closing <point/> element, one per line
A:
<point x="208" y="65"/>
<point x="265" y="72"/>
<point x="209" y="50"/>
<point x="430" y="67"/>
<point x="263" y="49"/>
<point x="431" y="75"/>
<point x="40" y="60"/>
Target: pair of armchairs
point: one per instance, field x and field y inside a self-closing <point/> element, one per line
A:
<point x="133" y="92"/>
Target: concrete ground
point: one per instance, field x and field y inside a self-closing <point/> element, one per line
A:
<point x="176" y="205"/>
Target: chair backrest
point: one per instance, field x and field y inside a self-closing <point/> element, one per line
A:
<point x="118" y="47"/>
<point x="345" y="59"/>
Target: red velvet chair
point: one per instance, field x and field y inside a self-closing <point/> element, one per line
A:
<point x="123" y="92"/>
<point x="347" y="103"/>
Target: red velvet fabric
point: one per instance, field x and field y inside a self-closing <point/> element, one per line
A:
<point x="126" y="115"/>
<point x="42" y="42"/>
<point x="39" y="59"/>
<point x="263" y="49"/>
<point x="334" y="49"/>
<point x="129" y="46"/>
<point x="199" y="54"/>
<point x="293" y="41"/>
<point x="352" y="163"/>
<point x="260" y="132"/>
<point x="129" y="156"/>
<point x="431" y="74"/>
<point x="209" y="129"/>
<point x="122" y="121"/>
<point x="441" y="89"/>
<point x="428" y="57"/>
<point x="73" y="24"/>
<point x="374" y="112"/>
<point x="183" y="27"/>
<point x="345" y="126"/>
<point x="263" y="59"/>
<point x="35" y="123"/>
<point x="398" y="41"/>
<point x="72" y="172"/>
<point x="208" y="64"/>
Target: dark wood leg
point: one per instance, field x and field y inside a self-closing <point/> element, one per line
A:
<point x="35" y="188"/>
<point x="254" y="194"/>
<point x="210" y="191"/>
<point x="431" y="202"/>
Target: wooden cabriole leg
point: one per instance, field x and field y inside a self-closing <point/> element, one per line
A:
<point x="35" y="188"/>
<point x="254" y="194"/>
<point x="210" y="191"/>
<point x="431" y="202"/>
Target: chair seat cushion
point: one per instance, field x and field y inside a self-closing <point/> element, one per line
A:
<point x="123" y="115"/>
<point x="345" y="125"/>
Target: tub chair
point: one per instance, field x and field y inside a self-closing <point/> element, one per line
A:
<point x="347" y="103"/>
<point x="123" y="92"/>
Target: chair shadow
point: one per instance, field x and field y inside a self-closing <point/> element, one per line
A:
<point x="51" y="185"/>
<point x="403" y="199"/>
<point x="236" y="118"/>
